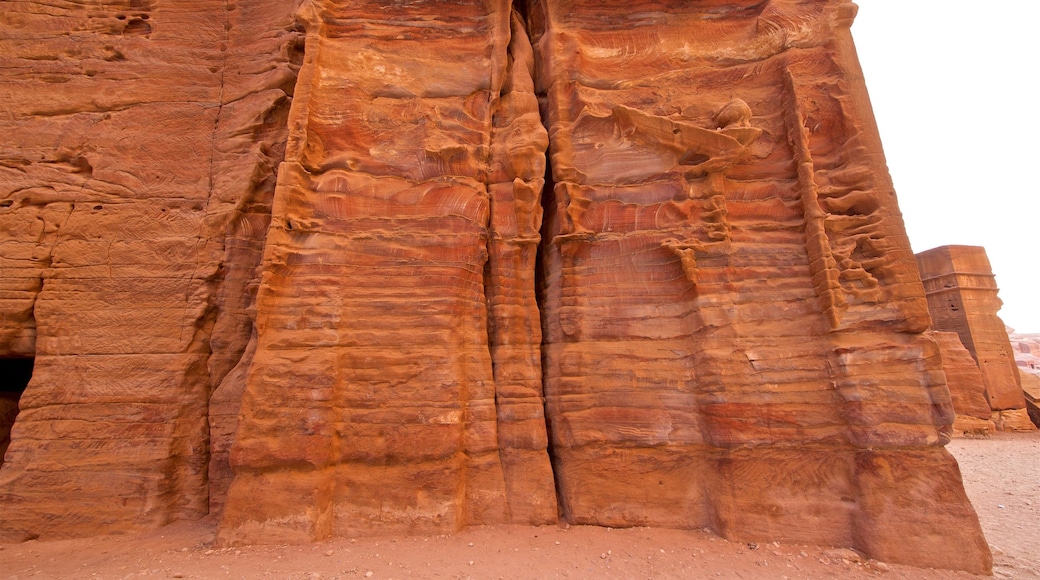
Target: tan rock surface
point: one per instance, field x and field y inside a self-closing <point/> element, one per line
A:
<point x="967" y="388"/>
<point x="1031" y="389"/>
<point x="720" y="307"/>
<point x="962" y="298"/>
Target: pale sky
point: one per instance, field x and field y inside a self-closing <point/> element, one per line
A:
<point x="954" y="87"/>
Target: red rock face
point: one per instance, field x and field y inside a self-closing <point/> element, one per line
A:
<point x="709" y="278"/>
<point x="136" y="178"/>
<point x="718" y="323"/>
<point x="397" y="321"/>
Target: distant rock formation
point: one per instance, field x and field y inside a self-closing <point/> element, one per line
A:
<point x="962" y="298"/>
<point x="339" y="268"/>
<point x="1027" y="357"/>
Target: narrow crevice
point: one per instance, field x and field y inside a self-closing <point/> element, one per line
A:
<point x="245" y="232"/>
<point x="548" y="202"/>
<point x="530" y="15"/>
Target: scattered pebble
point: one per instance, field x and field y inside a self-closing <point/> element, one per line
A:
<point x="845" y="554"/>
<point x="329" y="553"/>
<point x="368" y="574"/>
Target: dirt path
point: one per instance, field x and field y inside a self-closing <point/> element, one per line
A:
<point x="1002" y="477"/>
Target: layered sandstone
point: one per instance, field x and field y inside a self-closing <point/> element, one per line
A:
<point x="136" y="179"/>
<point x="397" y="321"/>
<point x="721" y="236"/>
<point x="718" y="323"/>
<point x="967" y="388"/>
<point x="1027" y="357"/>
<point x="962" y="298"/>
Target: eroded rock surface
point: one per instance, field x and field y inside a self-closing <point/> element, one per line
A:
<point x="398" y="288"/>
<point x="136" y="179"/>
<point x="731" y="313"/>
<point x="962" y="298"/>
<point x="967" y="388"/>
<point x="718" y="323"/>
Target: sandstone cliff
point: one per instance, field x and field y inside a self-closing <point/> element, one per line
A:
<point x="288" y="264"/>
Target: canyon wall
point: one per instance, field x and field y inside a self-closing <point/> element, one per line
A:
<point x="288" y="264"/>
<point x="137" y="169"/>
<point x="397" y="321"/>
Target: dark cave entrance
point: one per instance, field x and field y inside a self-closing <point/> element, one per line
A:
<point x="14" y="377"/>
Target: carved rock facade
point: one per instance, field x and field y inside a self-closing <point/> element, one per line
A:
<point x="962" y="299"/>
<point x="615" y="264"/>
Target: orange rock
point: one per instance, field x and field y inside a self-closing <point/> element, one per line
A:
<point x="136" y="186"/>
<point x="718" y="323"/>
<point x="967" y="388"/>
<point x="962" y="298"/>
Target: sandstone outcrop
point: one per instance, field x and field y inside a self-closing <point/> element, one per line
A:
<point x="1031" y="388"/>
<point x="962" y="298"/>
<point x="136" y="180"/>
<point x="356" y="267"/>
<point x="967" y="389"/>
<point x="1027" y="357"/>
<point x="398" y="287"/>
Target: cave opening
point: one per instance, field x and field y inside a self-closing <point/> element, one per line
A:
<point x="14" y="377"/>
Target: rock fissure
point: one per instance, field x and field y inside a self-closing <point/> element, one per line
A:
<point x="431" y="267"/>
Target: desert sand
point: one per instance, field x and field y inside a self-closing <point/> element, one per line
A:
<point x="1001" y="474"/>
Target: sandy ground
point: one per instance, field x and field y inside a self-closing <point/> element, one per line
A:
<point x="1001" y="473"/>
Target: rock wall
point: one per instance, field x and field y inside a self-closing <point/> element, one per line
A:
<point x="720" y="235"/>
<point x="136" y="179"/>
<point x="397" y="321"/>
<point x="718" y="323"/>
<point x="967" y="388"/>
<point x="962" y="298"/>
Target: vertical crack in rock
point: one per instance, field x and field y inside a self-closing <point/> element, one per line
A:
<point x="704" y="297"/>
<point x="233" y="340"/>
<point x="516" y="183"/>
<point x="407" y="135"/>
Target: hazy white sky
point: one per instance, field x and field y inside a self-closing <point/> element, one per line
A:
<point x="954" y="87"/>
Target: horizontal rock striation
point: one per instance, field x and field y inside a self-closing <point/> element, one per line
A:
<point x="397" y="323"/>
<point x="732" y="317"/>
<point x="136" y="180"/>
<point x="342" y="267"/>
<point x="962" y="298"/>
